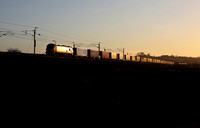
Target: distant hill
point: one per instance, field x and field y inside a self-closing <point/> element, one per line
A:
<point x="176" y="59"/>
<point x="181" y="59"/>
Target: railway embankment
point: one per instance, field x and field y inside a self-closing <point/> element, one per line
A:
<point x="143" y="93"/>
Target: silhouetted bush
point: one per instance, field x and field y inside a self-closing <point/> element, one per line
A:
<point x="14" y="50"/>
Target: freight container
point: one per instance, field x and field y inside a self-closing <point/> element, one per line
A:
<point x="81" y="52"/>
<point x="121" y="57"/>
<point x="133" y="58"/>
<point x="154" y="60"/>
<point x="158" y="61"/>
<point x="128" y="57"/>
<point x="150" y="60"/>
<point x="105" y="55"/>
<point x="93" y="53"/>
<point x="137" y="58"/>
<point x="142" y="59"/>
<point x="114" y="55"/>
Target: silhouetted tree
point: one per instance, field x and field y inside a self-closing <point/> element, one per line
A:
<point x="148" y="54"/>
<point x="14" y="50"/>
<point x="141" y="54"/>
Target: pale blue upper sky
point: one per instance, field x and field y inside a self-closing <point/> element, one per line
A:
<point x="152" y="26"/>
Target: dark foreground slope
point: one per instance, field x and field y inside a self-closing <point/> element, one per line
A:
<point x="38" y="88"/>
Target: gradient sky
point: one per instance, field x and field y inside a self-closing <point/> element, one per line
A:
<point x="159" y="27"/>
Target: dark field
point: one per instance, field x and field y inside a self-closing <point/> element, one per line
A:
<point x="91" y="91"/>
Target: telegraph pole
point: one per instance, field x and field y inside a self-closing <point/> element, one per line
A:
<point x="54" y="41"/>
<point x="99" y="48"/>
<point x="73" y="45"/>
<point x="34" y="35"/>
<point x="123" y="54"/>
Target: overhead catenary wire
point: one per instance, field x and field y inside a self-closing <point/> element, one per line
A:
<point x="49" y="31"/>
<point x="45" y="37"/>
<point x="9" y="23"/>
<point x="20" y="25"/>
<point x="53" y="39"/>
<point x="26" y="38"/>
<point x="15" y="34"/>
<point x="67" y="36"/>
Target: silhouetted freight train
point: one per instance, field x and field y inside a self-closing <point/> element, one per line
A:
<point x="63" y="50"/>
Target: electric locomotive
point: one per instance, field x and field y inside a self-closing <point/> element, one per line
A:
<point x="53" y="49"/>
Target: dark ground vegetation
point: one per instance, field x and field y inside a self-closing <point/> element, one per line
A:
<point x="36" y="88"/>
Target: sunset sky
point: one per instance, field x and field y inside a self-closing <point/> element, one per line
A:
<point x="159" y="27"/>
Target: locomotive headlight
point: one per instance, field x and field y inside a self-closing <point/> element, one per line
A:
<point x="68" y="50"/>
